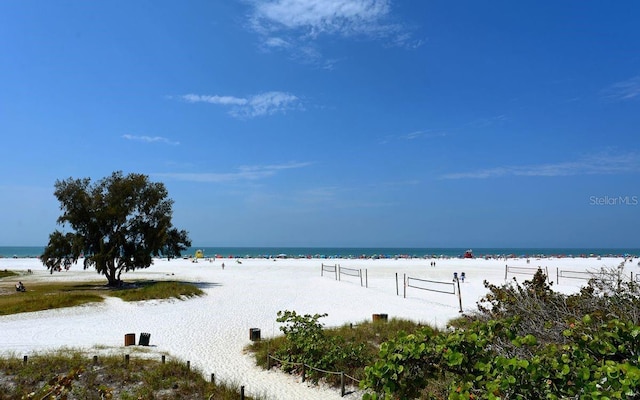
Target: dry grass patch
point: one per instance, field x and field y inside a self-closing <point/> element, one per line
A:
<point x="46" y="296"/>
<point x="71" y="375"/>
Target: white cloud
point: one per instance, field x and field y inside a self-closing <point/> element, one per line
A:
<point x="276" y="42"/>
<point x="421" y="134"/>
<point x="267" y="103"/>
<point x="224" y="100"/>
<point x="244" y="173"/>
<point x="591" y="165"/>
<point x="150" y="139"/>
<point x="295" y="25"/>
<point x="315" y="17"/>
<point x="625" y="90"/>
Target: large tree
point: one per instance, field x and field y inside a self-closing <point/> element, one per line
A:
<point x="119" y="223"/>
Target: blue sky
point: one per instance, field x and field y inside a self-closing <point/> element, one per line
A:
<point x="331" y="122"/>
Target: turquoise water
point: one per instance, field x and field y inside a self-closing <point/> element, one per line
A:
<point x="355" y="252"/>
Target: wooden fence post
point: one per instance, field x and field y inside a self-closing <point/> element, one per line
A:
<point x="304" y="371"/>
<point x="459" y="294"/>
<point x="404" y="280"/>
<point x="342" y="391"/>
<point x="213" y="378"/>
<point x="242" y="392"/>
<point x="163" y="358"/>
<point x="397" y="291"/>
<point x="25" y="359"/>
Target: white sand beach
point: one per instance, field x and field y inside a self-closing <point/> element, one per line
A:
<point x="211" y="331"/>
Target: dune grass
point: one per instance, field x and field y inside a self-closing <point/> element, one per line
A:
<point x="6" y="273"/>
<point x="70" y="373"/>
<point x="365" y="336"/>
<point x="148" y="290"/>
<point x="46" y="296"/>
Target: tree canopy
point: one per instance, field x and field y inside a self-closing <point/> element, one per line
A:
<point x="119" y="224"/>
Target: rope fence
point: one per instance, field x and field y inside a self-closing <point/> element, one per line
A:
<point x="329" y="268"/>
<point x="337" y="271"/>
<point x="305" y="367"/>
<point x="565" y="273"/>
<point x="354" y="272"/>
<point x="524" y="271"/>
<point x="601" y="276"/>
<point x="432" y="286"/>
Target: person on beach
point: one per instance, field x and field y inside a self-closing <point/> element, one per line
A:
<point x="223" y="266"/>
<point x="20" y="287"/>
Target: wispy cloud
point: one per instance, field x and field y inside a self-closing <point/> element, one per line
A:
<point x="489" y="121"/>
<point x="222" y="100"/>
<point x="415" y="135"/>
<point x="422" y="135"/>
<point x="150" y="139"/>
<point x="625" y="90"/>
<point x="244" y="173"/>
<point x="296" y="24"/>
<point x="591" y="165"/>
<point x="257" y="105"/>
<point x="315" y="17"/>
<point x="276" y="42"/>
<point x="338" y="197"/>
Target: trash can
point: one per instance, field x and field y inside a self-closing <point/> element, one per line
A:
<point x="130" y="339"/>
<point x="144" y="339"/>
<point x="254" y="334"/>
<point x="380" y="317"/>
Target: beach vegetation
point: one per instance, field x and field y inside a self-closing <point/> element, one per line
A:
<point x="70" y="374"/>
<point x="306" y="341"/>
<point x="149" y="290"/>
<point x="47" y="295"/>
<point x="118" y="224"/>
<point x="526" y="341"/>
<point x="7" y="273"/>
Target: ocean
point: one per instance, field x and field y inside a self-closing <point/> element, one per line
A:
<point x="367" y="252"/>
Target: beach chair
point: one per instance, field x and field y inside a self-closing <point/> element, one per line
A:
<point x="144" y="339"/>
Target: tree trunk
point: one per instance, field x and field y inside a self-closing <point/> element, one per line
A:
<point x="112" y="279"/>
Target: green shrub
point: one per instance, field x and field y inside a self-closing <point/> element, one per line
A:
<point x="527" y="342"/>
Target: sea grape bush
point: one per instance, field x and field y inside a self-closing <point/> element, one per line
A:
<point x="525" y="342"/>
<point x="304" y="337"/>
<point x="507" y="351"/>
<point x="307" y="343"/>
<point x="601" y="361"/>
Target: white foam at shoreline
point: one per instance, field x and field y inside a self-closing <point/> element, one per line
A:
<point x="211" y="331"/>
